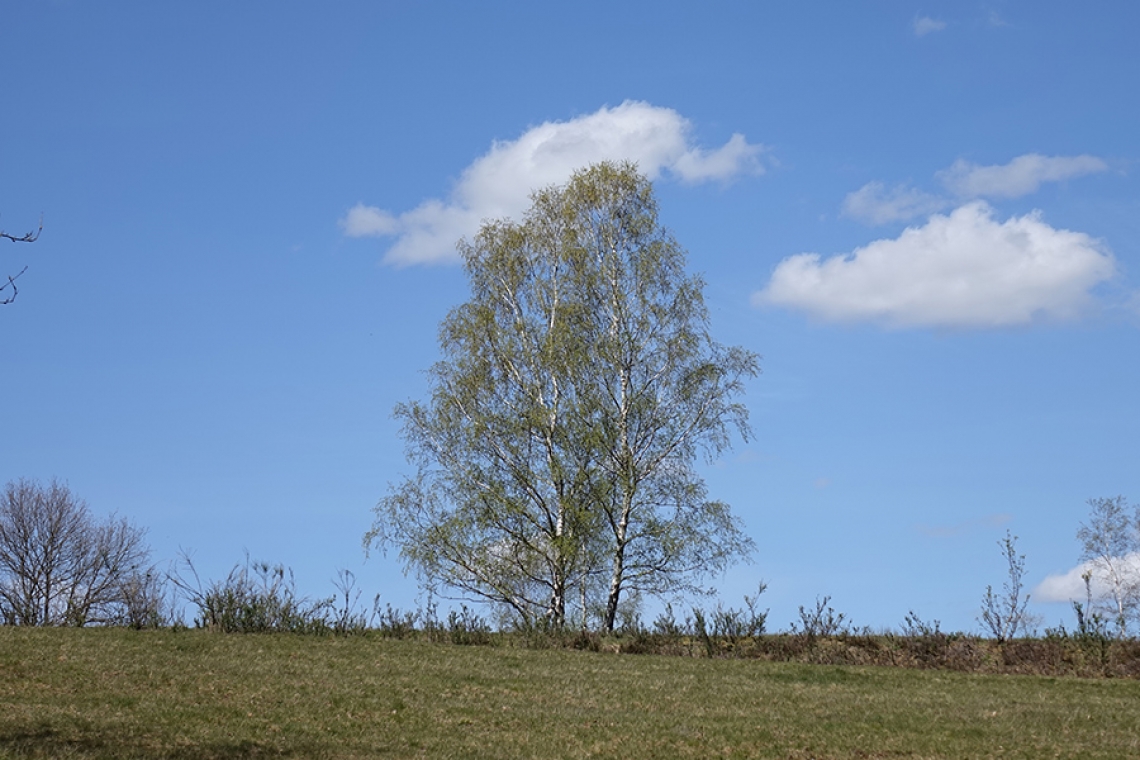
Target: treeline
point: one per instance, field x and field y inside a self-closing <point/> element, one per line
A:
<point x="60" y="566"/>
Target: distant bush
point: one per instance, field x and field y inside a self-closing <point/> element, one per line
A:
<point x="256" y="597"/>
<point x="820" y="621"/>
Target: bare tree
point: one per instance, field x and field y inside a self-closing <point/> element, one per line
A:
<point x="1110" y="543"/>
<point x="31" y="237"/>
<point x="58" y="566"/>
<point x="1005" y="614"/>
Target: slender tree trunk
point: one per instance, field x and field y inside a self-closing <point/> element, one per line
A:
<point x="614" y="595"/>
<point x="556" y="612"/>
<point x="582" y="592"/>
<point x="617" y="575"/>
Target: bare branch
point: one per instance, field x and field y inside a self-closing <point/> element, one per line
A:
<point x="11" y="284"/>
<point x="30" y="237"/>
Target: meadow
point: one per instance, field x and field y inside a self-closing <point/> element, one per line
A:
<point x="186" y="693"/>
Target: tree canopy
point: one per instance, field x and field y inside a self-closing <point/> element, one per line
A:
<point x="555" y="455"/>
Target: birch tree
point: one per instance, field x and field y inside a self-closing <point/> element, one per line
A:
<point x="1110" y="543"/>
<point x="555" y="456"/>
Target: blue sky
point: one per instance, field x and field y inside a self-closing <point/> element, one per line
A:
<point x="924" y="217"/>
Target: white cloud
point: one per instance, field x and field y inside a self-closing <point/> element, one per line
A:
<point x="924" y="25"/>
<point x="875" y="204"/>
<point x="362" y="221"/>
<point x="1021" y="176"/>
<point x="1070" y="586"/>
<point x="736" y="155"/>
<point x="959" y="270"/>
<point x="498" y="184"/>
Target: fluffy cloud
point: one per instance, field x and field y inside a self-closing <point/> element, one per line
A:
<point x="1021" y="176"/>
<point x="959" y="270"/>
<point x="924" y="25"/>
<point x="875" y="204"/>
<point x="1070" y="586"/>
<point x="499" y="183"/>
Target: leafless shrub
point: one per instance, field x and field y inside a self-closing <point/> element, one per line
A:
<point x="1004" y="615"/>
<point x="822" y="621"/>
<point x="347" y="617"/>
<point x="146" y="601"/>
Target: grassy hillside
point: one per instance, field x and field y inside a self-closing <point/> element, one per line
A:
<point x="189" y="694"/>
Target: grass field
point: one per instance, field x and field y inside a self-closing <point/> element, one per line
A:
<point x="112" y="693"/>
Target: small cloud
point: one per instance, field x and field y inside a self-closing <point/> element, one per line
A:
<point x="995" y="19"/>
<point x="875" y="204"/>
<point x="822" y="483"/>
<point x="734" y="157"/>
<point x="924" y="25"/>
<point x="499" y="183"/>
<point x="1070" y="586"/>
<point x="962" y="270"/>
<point x="1065" y="587"/>
<point x="1021" y="176"/>
<point x="365" y="221"/>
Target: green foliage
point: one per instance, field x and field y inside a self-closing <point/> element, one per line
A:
<point x="555" y="454"/>
<point x="465" y="627"/>
<point x="396" y="624"/>
<point x="1090" y="625"/>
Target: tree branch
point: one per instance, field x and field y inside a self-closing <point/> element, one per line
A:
<point x="30" y="237"/>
